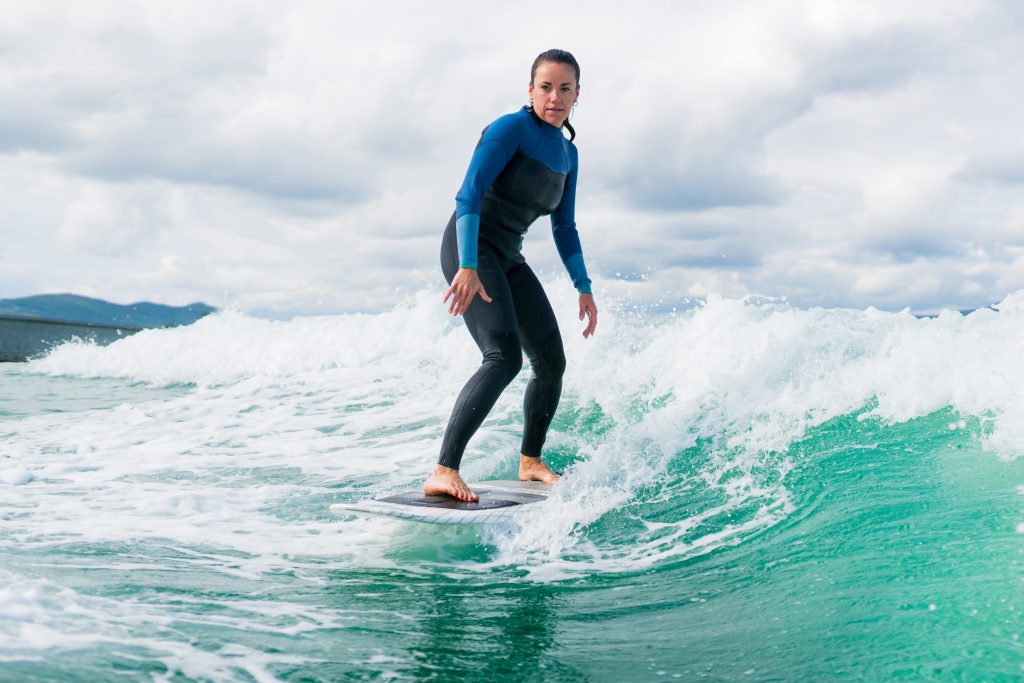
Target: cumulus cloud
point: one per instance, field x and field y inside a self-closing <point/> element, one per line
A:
<point x="303" y="157"/>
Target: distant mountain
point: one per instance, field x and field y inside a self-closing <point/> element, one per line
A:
<point x="74" y="308"/>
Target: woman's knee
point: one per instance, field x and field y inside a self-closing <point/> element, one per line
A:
<point x="506" y="353"/>
<point x="548" y="358"/>
<point x="556" y="364"/>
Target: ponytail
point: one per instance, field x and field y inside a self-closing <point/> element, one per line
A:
<point x="572" y="131"/>
<point x="539" y="120"/>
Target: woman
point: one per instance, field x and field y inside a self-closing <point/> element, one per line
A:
<point x="523" y="167"/>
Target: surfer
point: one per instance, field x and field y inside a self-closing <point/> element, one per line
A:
<point x="523" y="167"/>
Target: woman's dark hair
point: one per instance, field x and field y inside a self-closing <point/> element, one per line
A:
<point x="558" y="57"/>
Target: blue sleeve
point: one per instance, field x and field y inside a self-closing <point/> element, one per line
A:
<point x="498" y="143"/>
<point x="567" y="240"/>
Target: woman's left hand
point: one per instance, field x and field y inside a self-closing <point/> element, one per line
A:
<point x="588" y="308"/>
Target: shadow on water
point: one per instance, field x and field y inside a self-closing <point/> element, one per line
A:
<point x="492" y="632"/>
<point x="436" y="627"/>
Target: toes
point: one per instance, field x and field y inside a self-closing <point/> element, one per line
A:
<point x="462" y="493"/>
<point x="456" y="489"/>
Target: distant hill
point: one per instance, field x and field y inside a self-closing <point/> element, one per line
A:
<point x="74" y="308"/>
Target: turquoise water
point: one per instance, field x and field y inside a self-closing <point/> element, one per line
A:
<point x="753" y="492"/>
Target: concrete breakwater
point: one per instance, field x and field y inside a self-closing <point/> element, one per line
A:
<point x="22" y="338"/>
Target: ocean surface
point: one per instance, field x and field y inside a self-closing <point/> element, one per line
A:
<point x="753" y="492"/>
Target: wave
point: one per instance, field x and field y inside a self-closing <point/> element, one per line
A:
<point x="761" y="373"/>
<point x="679" y="430"/>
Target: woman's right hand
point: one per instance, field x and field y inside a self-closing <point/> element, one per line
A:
<point x="465" y="285"/>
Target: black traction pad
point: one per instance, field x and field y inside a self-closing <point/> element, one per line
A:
<point x="488" y="501"/>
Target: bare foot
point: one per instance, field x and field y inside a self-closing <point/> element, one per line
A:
<point x="532" y="469"/>
<point x="446" y="481"/>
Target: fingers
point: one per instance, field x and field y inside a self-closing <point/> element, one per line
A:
<point x="460" y="302"/>
<point x="590" y="327"/>
<point x="461" y="294"/>
<point x="588" y="309"/>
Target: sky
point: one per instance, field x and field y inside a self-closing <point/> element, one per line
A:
<point x="302" y="158"/>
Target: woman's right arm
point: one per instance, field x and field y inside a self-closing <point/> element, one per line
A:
<point x="497" y="144"/>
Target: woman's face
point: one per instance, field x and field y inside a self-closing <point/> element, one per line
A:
<point x="554" y="90"/>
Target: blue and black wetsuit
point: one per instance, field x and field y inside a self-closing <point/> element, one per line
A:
<point x="522" y="168"/>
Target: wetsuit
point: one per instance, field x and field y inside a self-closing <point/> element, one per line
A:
<point x="522" y="168"/>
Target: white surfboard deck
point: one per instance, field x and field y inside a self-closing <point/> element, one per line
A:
<point x="499" y="501"/>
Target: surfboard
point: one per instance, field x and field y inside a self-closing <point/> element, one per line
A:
<point x="499" y="501"/>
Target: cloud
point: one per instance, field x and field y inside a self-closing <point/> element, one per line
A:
<point x="304" y="157"/>
<point x="694" y="185"/>
<point x="1006" y="169"/>
<point x="215" y="97"/>
<point x="743" y="83"/>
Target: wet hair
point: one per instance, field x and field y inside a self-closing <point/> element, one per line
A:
<point x="558" y="57"/>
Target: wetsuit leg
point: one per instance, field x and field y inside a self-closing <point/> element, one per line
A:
<point x="494" y="329"/>
<point x="538" y="333"/>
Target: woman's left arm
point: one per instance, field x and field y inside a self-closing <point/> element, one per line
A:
<point x="567" y="240"/>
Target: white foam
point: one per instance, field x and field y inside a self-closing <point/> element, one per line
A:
<point x="16" y="476"/>
<point x="229" y="347"/>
